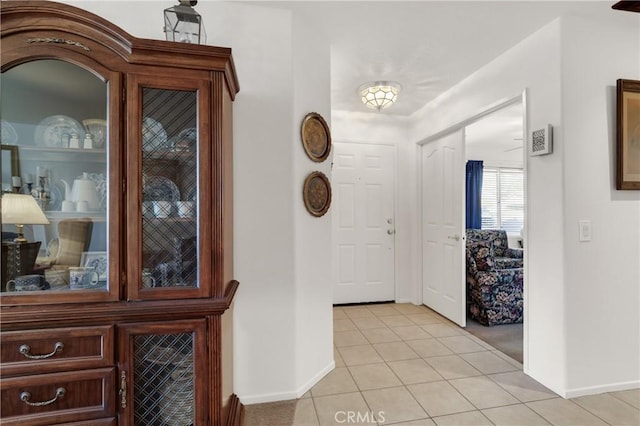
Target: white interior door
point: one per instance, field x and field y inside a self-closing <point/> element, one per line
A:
<point x="443" y="284"/>
<point x="363" y="223"/>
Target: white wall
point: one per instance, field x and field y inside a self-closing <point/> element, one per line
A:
<point x="283" y="316"/>
<point x="602" y="277"/>
<point x="495" y="158"/>
<point x="264" y="316"/>
<point x="581" y="319"/>
<point x="313" y="243"/>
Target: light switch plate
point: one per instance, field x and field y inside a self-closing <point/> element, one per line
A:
<point x="584" y="230"/>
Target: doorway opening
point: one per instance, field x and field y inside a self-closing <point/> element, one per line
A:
<point x="495" y="137"/>
<point x="497" y="141"/>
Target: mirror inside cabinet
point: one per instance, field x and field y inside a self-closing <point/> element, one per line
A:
<point x="54" y="178"/>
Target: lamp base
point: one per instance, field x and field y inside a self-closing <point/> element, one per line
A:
<point x="20" y="238"/>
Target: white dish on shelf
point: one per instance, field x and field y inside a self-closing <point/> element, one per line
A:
<point x="56" y="130"/>
<point x="159" y="188"/>
<point x="154" y="136"/>
<point x="9" y="135"/>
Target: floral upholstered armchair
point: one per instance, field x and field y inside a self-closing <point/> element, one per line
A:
<point x="494" y="278"/>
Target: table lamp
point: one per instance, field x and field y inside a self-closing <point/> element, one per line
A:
<point x="20" y="210"/>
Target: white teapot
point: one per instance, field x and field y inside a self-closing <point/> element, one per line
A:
<point x="84" y="189"/>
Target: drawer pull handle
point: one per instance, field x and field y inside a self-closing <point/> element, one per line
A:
<point x="123" y="389"/>
<point x="25" y="349"/>
<point x="26" y="396"/>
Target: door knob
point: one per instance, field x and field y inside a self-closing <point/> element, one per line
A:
<point x="454" y="237"/>
<point x="391" y="231"/>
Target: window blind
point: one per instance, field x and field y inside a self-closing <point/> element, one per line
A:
<point x="503" y="199"/>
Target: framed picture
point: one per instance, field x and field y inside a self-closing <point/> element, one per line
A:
<point x="96" y="260"/>
<point x="628" y="135"/>
<point x="10" y="163"/>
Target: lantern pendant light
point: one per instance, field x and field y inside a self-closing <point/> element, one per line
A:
<point x="183" y="24"/>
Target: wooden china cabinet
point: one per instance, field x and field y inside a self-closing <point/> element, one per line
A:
<point x="126" y="146"/>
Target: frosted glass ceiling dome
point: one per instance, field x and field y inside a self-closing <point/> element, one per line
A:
<point x="379" y="95"/>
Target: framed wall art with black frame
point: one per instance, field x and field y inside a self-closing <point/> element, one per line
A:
<point x="628" y="135"/>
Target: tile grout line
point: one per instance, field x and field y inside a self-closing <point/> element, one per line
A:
<point x="517" y="367"/>
<point x="622" y="400"/>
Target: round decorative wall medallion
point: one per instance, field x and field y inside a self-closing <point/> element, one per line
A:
<point x="316" y="137"/>
<point x="316" y="193"/>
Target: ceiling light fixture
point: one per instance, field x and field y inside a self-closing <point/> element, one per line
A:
<point x="379" y="95"/>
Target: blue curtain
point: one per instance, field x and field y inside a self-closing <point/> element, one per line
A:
<point x="474" y="194"/>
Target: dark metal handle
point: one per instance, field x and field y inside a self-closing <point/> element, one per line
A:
<point x="26" y="396"/>
<point x="25" y="349"/>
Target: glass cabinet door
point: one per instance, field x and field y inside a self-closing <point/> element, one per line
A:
<point x="55" y="186"/>
<point x="160" y="379"/>
<point x="172" y="169"/>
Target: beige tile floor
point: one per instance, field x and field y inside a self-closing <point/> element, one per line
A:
<point x="402" y="364"/>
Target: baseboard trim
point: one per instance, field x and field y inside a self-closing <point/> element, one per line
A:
<point x="594" y="390"/>
<point x="284" y="396"/>
<point x="235" y="415"/>
<point x="315" y="379"/>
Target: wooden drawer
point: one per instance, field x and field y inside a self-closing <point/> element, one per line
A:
<point x="86" y="394"/>
<point x="80" y="348"/>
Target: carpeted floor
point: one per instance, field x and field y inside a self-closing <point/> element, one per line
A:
<point x="507" y="338"/>
<point x="272" y="413"/>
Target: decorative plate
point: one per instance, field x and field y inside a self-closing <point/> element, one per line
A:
<point x="56" y="130"/>
<point x="316" y="193"/>
<point x="96" y="260"/>
<point x="186" y="140"/>
<point x="55" y="198"/>
<point x="154" y="136"/>
<point x="192" y="194"/>
<point x="316" y="137"/>
<point x="158" y="188"/>
<point x="162" y="355"/>
<point x="9" y="135"/>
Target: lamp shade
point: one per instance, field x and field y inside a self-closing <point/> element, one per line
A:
<point x="21" y="209"/>
<point x="379" y="95"/>
<point x="183" y="24"/>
